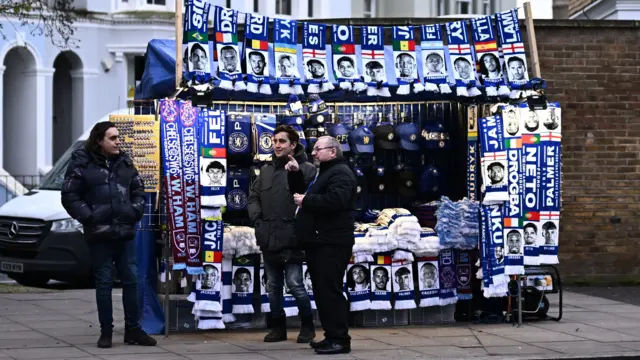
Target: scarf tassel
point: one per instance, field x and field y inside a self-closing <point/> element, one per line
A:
<point x="503" y="90"/>
<point x="226" y="84"/>
<point x="434" y="301"/>
<point x="431" y="87"/>
<point x="360" y="305"/>
<point x="449" y="301"/>
<point x="417" y="87"/>
<point x="445" y="89"/>
<point x="313" y="89"/>
<point x="211" y="324"/>
<point x="381" y="305"/>
<point x="359" y="86"/>
<point x="291" y="311"/>
<point x="327" y="86"/>
<point x="404" y="304"/>
<point x="346" y="85"/>
<point x="491" y="91"/>
<point x="473" y="91"/>
<point x="403" y="89"/>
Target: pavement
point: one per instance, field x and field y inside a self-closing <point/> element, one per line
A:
<point x="62" y="324"/>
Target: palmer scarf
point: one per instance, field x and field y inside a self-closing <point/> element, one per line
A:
<point x="489" y="63"/>
<point x="381" y="283"/>
<point x="314" y="54"/>
<point x="243" y="278"/>
<point x="461" y="59"/>
<point x="447" y="267"/>
<point x="308" y="285"/>
<point x="428" y="281"/>
<point x="229" y="67"/>
<point x="196" y="36"/>
<point x="257" y="57"/>
<point x="403" y="292"/>
<point x="373" y="66"/>
<point x="472" y="152"/>
<point x="515" y="60"/>
<point x="404" y="53"/>
<point x="433" y="59"/>
<point x="358" y="286"/>
<point x="550" y="141"/>
<point x="463" y="270"/>
<point x="213" y="158"/>
<point x="263" y="127"/>
<point x="344" y="59"/>
<point x="286" y="56"/>
<point x="494" y="160"/>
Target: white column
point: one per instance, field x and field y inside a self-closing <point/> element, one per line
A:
<point x="2" y="69"/>
<point x="82" y="101"/>
<point x="120" y="68"/>
<point x="43" y="103"/>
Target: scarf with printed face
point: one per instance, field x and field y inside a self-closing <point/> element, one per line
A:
<point x="512" y="210"/>
<point x="373" y="66"/>
<point x="358" y="286"/>
<point x="208" y="289"/>
<point x="265" y="306"/>
<point x="472" y="152"/>
<point x="257" y="53"/>
<point x="286" y="56"/>
<point x="428" y="281"/>
<point x="403" y="292"/>
<point x="238" y="189"/>
<point x="263" y="127"/>
<point x="551" y="147"/>
<point x="381" y="283"/>
<point x="447" y="268"/>
<point x="463" y="271"/>
<point x="229" y="67"/>
<point x="404" y="54"/>
<point x="190" y="118"/>
<point x="308" y="285"/>
<point x="434" y="67"/>
<point x="489" y="63"/>
<point x="243" y="278"/>
<point x="213" y="158"/>
<point x="171" y="129"/>
<point x="314" y="55"/>
<point x="494" y="242"/>
<point x="512" y="47"/>
<point x="344" y="59"/>
<point x="530" y="126"/>
<point x="461" y="59"/>
<point x="493" y="161"/>
<point x="196" y="38"/>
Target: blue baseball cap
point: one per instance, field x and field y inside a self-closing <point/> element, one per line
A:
<point x="430" y="182"/>
<point x="435" y="135"/>
<point x="340" y="132"/>
<point x="361" y="140"/>
<point x="408" y="134"/>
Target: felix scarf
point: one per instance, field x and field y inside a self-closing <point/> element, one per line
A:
<point x="494" y="243"/>
<point x="530" y="126"/>
<point x="372" y="53"/>
<point x="344" y="59"/>
<point x="308" y="285"/>
<point x="489" y="65"/>
<point x="512" y="47"/>
<point x="213" y="158"/>
<point x="243" y="278"/>
<point x="403" y="293"/>
<point x="196" y="36"/>
<point x="314" y="54"/>
<point x="238" y="134"/>
<point x="189" y="118"/>
<point x="494" y="161"/>
<point x="229" y="67"/>
<point x="381" y="284"/>
<point x="461" y="59"/>
<point x="257" y="57"/>
<point x="472" y="152"/>
<point x="263" y="127"/>
<point x="433" y="59"/>
<point x="428" y="281"/>
<point x="463" y="270"/>
<point x="286" y="56"/>
<point x="265" y="306"/>
<point x="447" y="267"/>
<point x="404" y="53"/>
<point x="550" y="143"/>
<point x="358" y="286"/>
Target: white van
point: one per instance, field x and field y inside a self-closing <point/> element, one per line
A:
<point x="38" y="239"/>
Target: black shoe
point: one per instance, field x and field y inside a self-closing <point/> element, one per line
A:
<point x="105" y="341"/>
<point x="138" y="337"/>
<point x="333" y="349"/>
<point x="319" y="344"/>
<point x="278" y="331"/>
<point x="307" y="330"/>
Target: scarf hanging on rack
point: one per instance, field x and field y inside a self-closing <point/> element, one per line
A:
<point x="314" y="55"/>
<point x="404" y="53"/>
<point x="227" y="290"/>
<point x="484" y="261"/>
<point x="381" y="283"/>
<point x="358" y="286"/>
<point x="213" y="158"/>
<point x="373" y="65"/>
<point x="515" y="59"/>
<point x="237" y="189"/>
<point x="257" y="54"/>
<point x="550" y="143"/>
<point x="243" y="278"/>
<point x="493" y="161"/>
<point x="434" y="67"/>
<point x="229" y="66"/>
<point x="530" y="126"/>
<point x="212" y="234"/>
<point x="461" y="59"/>
<point x="495" y="251"/>
<point x="290" y="305"/>
<point x="239" y="133"/>
<point x="308" y="285"/>
<point x="463" y="271"/>
<point x="286" y="56"/>
<point x="428" y="281"/>
<point x="173" y="179"/>
<point x="344" y="59"/>
<point x="196" y="36"/>
<point x="403" y="292"/>
<point x="265" y="306"/>
<point x="489" y="64"/>
<point x="472" y="152"/>
<point x="263" y="127"/>
<point x="447" y="267"/>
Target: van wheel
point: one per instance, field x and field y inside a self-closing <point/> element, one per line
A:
<point x="30" y="280"/>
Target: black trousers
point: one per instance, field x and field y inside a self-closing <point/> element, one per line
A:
<point x="327" y="265"/>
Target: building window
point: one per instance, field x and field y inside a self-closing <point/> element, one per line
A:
<point x="441" y="7"/>
<point x="256" y="6"/>
<point x="464" y="7"/>
<point x="487" y="7"/>
<point x="157" y="2"/>
<point x="310" y="8"/>
<point x="369" y="8"/>
<point x="283" y="7"/>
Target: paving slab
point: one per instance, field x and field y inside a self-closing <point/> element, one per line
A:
<point x="210" y="347"/>
<point x="31" y="343"/>
<point x="518" y="350"/>
<point x="230" y="357"/>
<point x="450" y="352"/>
<point x="581" y="347"/>
<point x="46" y="353"/>
<point x="293" y="355"/>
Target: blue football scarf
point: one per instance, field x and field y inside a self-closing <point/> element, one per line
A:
<point x="237" y="189"/>
<point x="285" y="37"/>
<point x="314" y="54"/>
<point x="472" y="153"/>
<point x="551" y="147"/>
<point x="494" y="232"/>
<point x="463" y="270"/>
<point x="344" y="59"/>
<point x="381" y="283"/>
<point x="515" y="60"/>
<point x="229" y="67"/>
<point x="243" y="279"/>
<point x="238" y="134"/>
<point x="489" y="63"/>
<point x="265" y="306"/>
<point x="373" y="62"/>
<point x="209" y="295"/>
<point x="263" y="127"/>
<point x="494" y="160"/>
<point x="428" y="281"/>
<point x="213" y="158"/>
<point x="404" y="54"/>
<point x="290" y="306"/>
<point x="308" y="285"/>
<point x="257" y="57"/>
<point x="448" y="286"/>
<point x="433" y="61"/>
<point x="196" y="36"/>
<point x="359" y="293"/>
<point x="461" y="59"/>
<point x="484" y="271"/>
<point x="227" y="290"/>
<point x="403" y="292"/>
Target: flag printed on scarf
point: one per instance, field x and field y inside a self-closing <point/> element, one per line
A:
<point x="257" y="53"/>
<point x="286" y="56"/>
<point x="447" y="268"/>
<point x="213" y="158"/>
<point x="515" y="60"/>
<point x="433" y="59"/>
<point x="314" y="54"/>
<point x="550" y="167"/>
<point x="344" y="59"/>
<point x="243" y="278"/>
<point x="404" y="53"/>
<point x="381" y="283"/>
<point x="461" y="59"/>
<point x="463" y="271"/>
<point x="229" y="67"/>
<point x="489" y="64"/>
<point x="196" y="36"/>
<point x="472" y="152"/>
<point x="494" y="232"/>
<point x="358" y="286"/>
<point x="493" y="161"/>
<point x="428" y="281"/>
<point x="403" y="292"/>
<point x="263" y="127"/>
<point x="373" y="64"/>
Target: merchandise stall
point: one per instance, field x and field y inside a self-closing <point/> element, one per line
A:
<point x="455" y="149"/>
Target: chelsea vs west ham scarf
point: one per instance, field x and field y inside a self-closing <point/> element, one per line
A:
<point x="213" y="158"/>
<point x="257" y="57"/>
<point x="315" y="58"/>
<point x="513" y="50"/>
<point x="372" y="53"/>
<point x="434" y="68"/>
<point x="550" y="141"/>
<point x="404" y="52"/>
<point x="530" y="124"/>
<point x="461" y="59"/>
<point x="229" y="68"/>
<point x="286" y="56"/>
<point x="489" y="63"/>
<point x="196" y="36"/>
<point x="494" y="161"/>
<point x="344" y="59"/>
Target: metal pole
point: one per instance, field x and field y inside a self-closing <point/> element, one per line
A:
<point x="519" y="301"/>
<point x="179" y="55"/>
<point x="167" y="283"/>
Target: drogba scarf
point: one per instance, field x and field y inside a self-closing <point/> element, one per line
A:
<point x="463" y="270"/>
<point x="494" y="161"/>
<point x="373" y="66"/>
<point x="314" y="54"/>
<point x="257" y="57"/>
<point x="263" y="127"/>
<point x="447" y="267"/>
<point x="196" y="35"/>
<point x="381" y="284"/>
<point x="213" y="158"/>
<point x="472" y="152"/>
<point x="512" y="47"/>
<point x="428" y="281"/>
<point x="358" y="286"/>
<point x="489" y="64"/>
<point x="494" y="232"/>
<point x="404" y="53"/>
<point x="461" y="59"/>
<point x="227" y="290"/>
<point x="403" y="293"/>
<point x="550" y="143"/>
<point x="286" y="56"/>
<point x="265" y="306"/>
<point x="433" y="62"/>
<point x="344" y="59"/>
<point x="308" y="285"/>
<point x="229" y="67"/>
<point x="243" y="278"/>
<point x="238" y="134"/>
<point x="530" y="126"/>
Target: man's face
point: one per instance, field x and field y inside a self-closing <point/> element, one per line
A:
<point x="434" y="63"/>
<point x="316" y="69"/>
<point x="376" y="74"/>
<point x="346" y="68"/>
<point x="229" y="60"/>
<point x="529" y="235"/>
<point x="496" y="173"/>
<point x="490" y="63"/>
<point x="257" y="64"/>
<point x="406" y="64"/>
<point x="513" y="243"/>
<point x="463" y="68"/>
<point x="110" y="144"/>
<point x="198" y="59"/>
<point x="321" y="153"/>
<point x="265" y="282"/>
<point x="404" y="281"/>
<point x="215" y="175"/>
<point x="532" y="120"/>
<point x="307" y="279"/>
<point x="381" y="279"/>
<point x="243" y="282"/>
<point x="286" y="67"/>
<point x="516" y="68"/>
<point x="428" y="276"/>
<point x="210" y="277"/>
<point x="499" y="253"/>
<point x="551" y="119"/>
<point x="358" y="275"/>
<point x="549" y="236"/>
<point x="282" y="147"/>
<point x="512" y="126"/>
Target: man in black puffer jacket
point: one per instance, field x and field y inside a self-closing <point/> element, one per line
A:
<point x="103" y="191"/>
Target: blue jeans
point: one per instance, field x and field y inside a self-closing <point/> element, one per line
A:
<point x="123" y="254"/>
<point x="277" y="274"/>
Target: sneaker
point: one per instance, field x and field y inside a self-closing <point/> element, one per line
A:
<point x="138" y="337"/>
<point x="105" y="340"/>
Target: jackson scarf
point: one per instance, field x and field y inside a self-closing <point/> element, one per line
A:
<point x="489" y="64"/>
<point x="263" y="127"/>
<point x="433" y="59"/>
<point x="208" y="295"/>
<point x="447" y="267"/>
<point x="403" y="292"/>
<point x="265" y="306"/>
<point x="344" y="59"/>
<point x="196" y="35"/>
<point x="286" y="56"/>
<point x="229" y="67"/>
<point x="213" y="158"/>
<point x="359" y="286"/>
<point x="404" y="53"/>
<point x="428" y="281"/>
<point x="472" y="152"/>
<point x="513" y="49"/>
<point x="461" y="59"/>
<point x="530" y="125"/>
<point x="372" y="53"/>
<point x="492" y="219"/>
<point x="381" y="290"/>
<point x="314" y="54"/>
<point x="550" y="141"/>
<point x="494" y="161"/>
<point x="243" y="278"/>
<point x="308" y="285"/>
<point x="463" y="270"/>
<point x="227" y="290"/>
<point x="257" y="53"/>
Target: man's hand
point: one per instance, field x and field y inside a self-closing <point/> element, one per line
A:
<point x="292" y="165"/>
<point x="297" y="198"/>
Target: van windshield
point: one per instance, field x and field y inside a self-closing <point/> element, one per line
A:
<point x="55" y="177"/>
